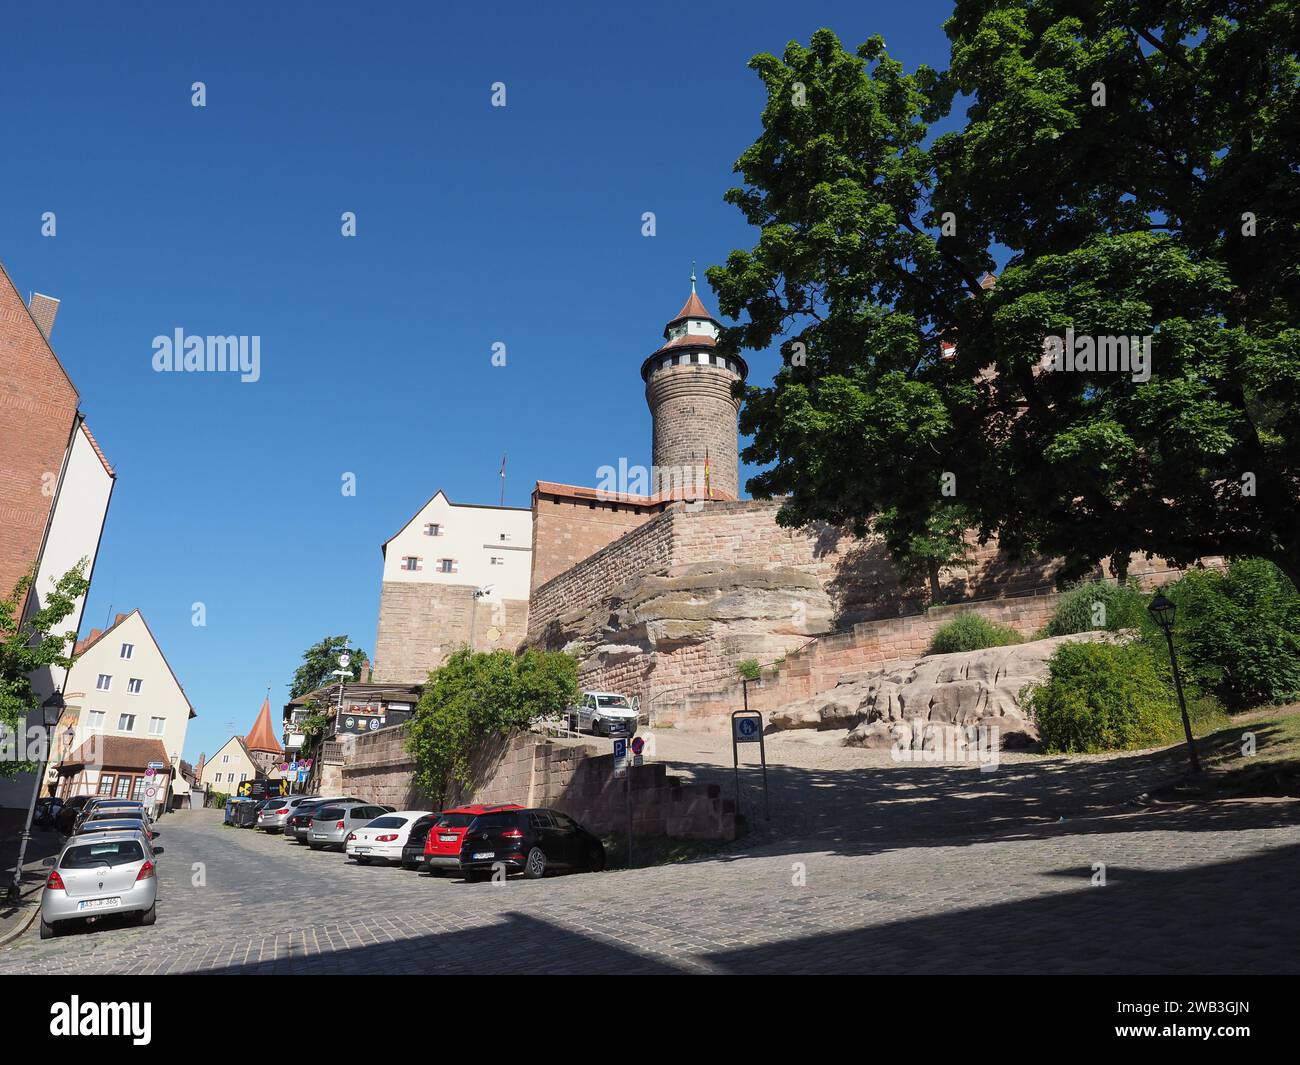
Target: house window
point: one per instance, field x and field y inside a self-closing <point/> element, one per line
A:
<point x="505" y="537"/>
<point x="138" y="793"/>
<point x="496" y="560"/>
<point x="128" y="649"/>
<point x="106" y="783"/>
<point x="433" y="529"/>
<point x="133" y="686"/>
<point x="123" y="787"/>
<point x="242" y="777"/>
<point x="95" y="720"/>
<point x="448" y="565"/>
<point x="104" y="683"/>
<point x="225" y="758"/>
<point x="125" y="722"/>
<point x="410" y="562"/>
<point x="156" y="725"/>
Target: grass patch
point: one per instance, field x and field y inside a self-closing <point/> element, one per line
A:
<point x="1273" y="769"/>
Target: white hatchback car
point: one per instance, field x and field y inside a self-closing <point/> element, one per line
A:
<point x="383" y="838"/>
<point x="101" y="875"/>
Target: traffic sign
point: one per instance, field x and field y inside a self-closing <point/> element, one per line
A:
<point x="620" y="757"/>
<point x="149" y="793"/>
<point x="156" y="765"/>
<point x="638" y="745"/>
<point x="748" y="729"/>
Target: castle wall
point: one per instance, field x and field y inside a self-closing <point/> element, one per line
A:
<point x="420" y="625"/>
<point x="568" y="530"/>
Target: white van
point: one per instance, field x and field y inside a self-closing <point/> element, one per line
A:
<point x="606" y="713"/>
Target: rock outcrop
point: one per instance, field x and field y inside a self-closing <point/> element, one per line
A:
<point x="922" y="703"/>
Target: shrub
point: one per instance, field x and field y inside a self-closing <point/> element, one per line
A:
<point x="218" y="799"/>
<point x="971" y="632"/>
<point x="1237" y="633"/>
<point x="1104" y="697"/>
<point x="1098" y="605"/>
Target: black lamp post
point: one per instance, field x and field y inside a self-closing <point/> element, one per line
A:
<point x="1162" y="610"/>
<point x="51" y="711"/>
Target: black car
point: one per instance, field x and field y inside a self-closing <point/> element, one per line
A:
<point x="66" y="818"/>
<point x="245" y="814"/>
<point x="531" y="841"/>
<point x="46" y="811"/>
<point x="413" y="848"/>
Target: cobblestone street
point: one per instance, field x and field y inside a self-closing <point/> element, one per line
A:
<point x="1185" y="891"/>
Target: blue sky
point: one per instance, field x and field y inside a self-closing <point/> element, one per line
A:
<point x="476" y="225"/>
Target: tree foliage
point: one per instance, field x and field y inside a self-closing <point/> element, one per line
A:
<point x="1137" y="166"/>
<point x="319" y="662"/>
<point x="32" y="644"/>
<point x="473" y="697"/>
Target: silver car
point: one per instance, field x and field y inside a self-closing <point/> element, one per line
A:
<point x="331" y="824"/>
<point x="122" y="807"/>
<point x="105" y="874"/>
<point x="274" y="816"/>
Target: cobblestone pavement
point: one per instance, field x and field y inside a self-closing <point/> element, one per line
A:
<point x="1185" y="891"/>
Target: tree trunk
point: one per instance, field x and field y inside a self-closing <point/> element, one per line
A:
<point x="936" y="592"/>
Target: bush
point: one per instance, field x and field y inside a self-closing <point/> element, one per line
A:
<point x="218" y="799"/>
<point x="1098" y="605"/>
<point x="1236" y="633"/>
<point x="971" y="632"/>
<point x="1111" y="697"/>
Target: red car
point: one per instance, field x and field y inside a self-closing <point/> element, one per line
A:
<point x="442" y="845"/>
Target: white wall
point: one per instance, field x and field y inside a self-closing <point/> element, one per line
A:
<point x="217" y="767"/>
<point x="472" y="536"/>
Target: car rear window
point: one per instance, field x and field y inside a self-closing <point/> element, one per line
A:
<point x="455" y="820"/>
<point x="89" y="855"/>
<point x="490" y="821"/>
<point x="387" y="822"/>
<point x="329" y="812"/>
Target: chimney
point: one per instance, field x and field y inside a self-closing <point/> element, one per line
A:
<point x="43" y="309"/>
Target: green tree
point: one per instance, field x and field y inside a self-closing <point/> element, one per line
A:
<point x="32" y="644"/>
<point x="319" y="662"/>
<point x="473" y="697"/>
<point x="1136" y="165"/>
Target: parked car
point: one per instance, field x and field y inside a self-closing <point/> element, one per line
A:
<point x="273" y="816"/>
<point x="413" y="848"/>
<point x="47" y="810"/>
<point x="330" y="824"/>
<point x="117" y="807"/>
<point x="99" y="876"/>
<point x="606" y="713"/>
<point x="67" y="817"/>
<point x="383" y="838"/>
<point x="528" y="841"/>
<point x="246" y="815"/>
<point x="128" y="821"/>
<point x="296" y="825"/>
<point x="442" y="845"/>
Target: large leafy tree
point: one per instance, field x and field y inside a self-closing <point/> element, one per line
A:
<point x="1136" y="166"/>
<point x="319" y="662"/>
<point x="32" y="643"/>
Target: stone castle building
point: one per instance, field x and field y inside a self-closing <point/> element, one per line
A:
<point x="662" y="595"/>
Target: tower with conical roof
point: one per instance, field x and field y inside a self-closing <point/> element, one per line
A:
<point x="693" y="413"/>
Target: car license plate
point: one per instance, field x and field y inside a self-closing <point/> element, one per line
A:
<point x="447" y="839"/>
<point x="478" y="855"/>
<point x="98" y="904"/>
<point x="360" y="850"/>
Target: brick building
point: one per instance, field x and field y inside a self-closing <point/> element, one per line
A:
<point x="55" y="483"/>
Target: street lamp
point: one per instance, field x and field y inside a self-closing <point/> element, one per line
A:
<point x="51" y="711"/>
<point x="1162" y="611"/>
<point x="345" y="660"/>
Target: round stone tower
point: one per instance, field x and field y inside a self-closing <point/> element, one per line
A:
<point x="688" y="388"/>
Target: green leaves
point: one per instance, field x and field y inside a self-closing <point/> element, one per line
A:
<point x="32" y="644"/>
<point x="1137" y="166"/>
<point x="474" y="697"/>
<point x="319" y="662"/>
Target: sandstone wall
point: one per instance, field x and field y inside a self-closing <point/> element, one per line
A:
<point x="421" y="624"/>
<point x="567" y="530"/>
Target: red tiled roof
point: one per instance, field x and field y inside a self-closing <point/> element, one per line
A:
<point x="124" y="752"/>
<point x="262" y="735"/>
<point x="98" y="450"/>
<point x="692" y="308"/>
<point x="659" y="499"/>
